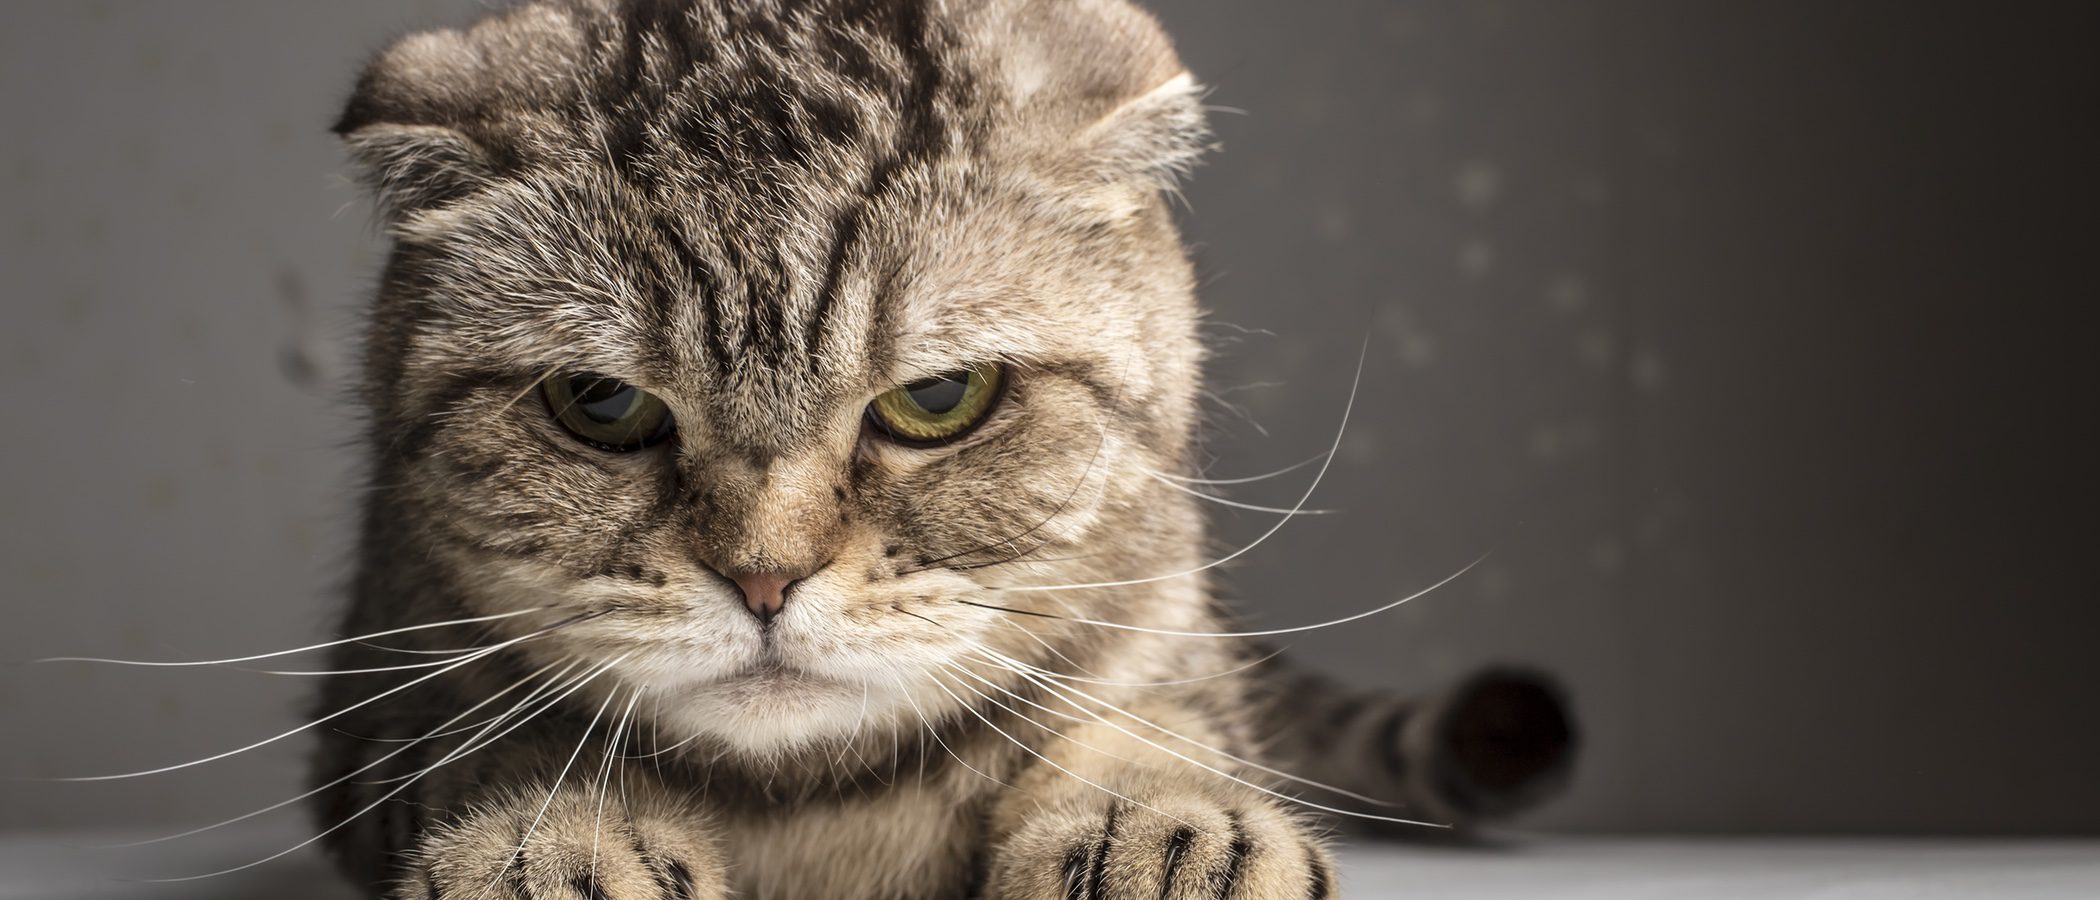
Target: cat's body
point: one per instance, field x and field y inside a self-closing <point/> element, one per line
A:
<point x="775" y="640"/>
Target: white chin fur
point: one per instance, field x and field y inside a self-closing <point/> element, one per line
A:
<point x="770" y="713"/>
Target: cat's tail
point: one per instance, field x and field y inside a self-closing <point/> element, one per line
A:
<point x="1493" y="745"/>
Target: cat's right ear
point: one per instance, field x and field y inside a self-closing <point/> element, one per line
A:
<point x="1120" y="116"/>
<point x="404" y="125"/>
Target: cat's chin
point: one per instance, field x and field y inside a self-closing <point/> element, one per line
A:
<point x="768" y="710"/>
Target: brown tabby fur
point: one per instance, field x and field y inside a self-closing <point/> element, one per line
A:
<point x="765" y="213"/>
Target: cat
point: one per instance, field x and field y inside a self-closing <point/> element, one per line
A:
<point x="780" y="415"/>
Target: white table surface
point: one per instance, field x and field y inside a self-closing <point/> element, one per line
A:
<point x="66" y="867"/>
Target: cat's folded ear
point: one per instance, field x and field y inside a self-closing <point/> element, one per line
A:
<point x="425" y="123"/>
<point x="1156" y="138"/>
<point x="403" y="129"/>
<point x="1103" y="73"/>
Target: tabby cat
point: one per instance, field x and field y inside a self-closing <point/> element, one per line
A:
<point x="782" y="487"/>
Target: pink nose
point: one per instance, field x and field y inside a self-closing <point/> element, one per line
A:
<point x="764" y="592"/>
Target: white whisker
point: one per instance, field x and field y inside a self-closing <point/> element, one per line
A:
<point x="1062" y="738"/>
<point x="1244" y="634"/>
<point x="1010" y="664"/>
<point x="267" y="741"/>
<point x="1031" y="751"/>
<point x="928" y="723"/>
<point x="1143" y="684"/>
<point x="1235" y="409"/>
<point x="400" y="668"/>
<point x="323" y="646"/>
<point x="612" y="748"/>
<point x="566" y="690"/>
<point x="410" y="745"/>
<point x="1340" y="430"/>
<point x="1286" y="470"/>
<point x="1227" y="775"/>
<point x="1235" y="504"/>
<point x="661" y="750"/>
<point x="449" y="758"/>
<point x="556" y="789"/>
<point x="1060" y="654"/>
<point x="450" y="651"/>
<point x="553" y="684"/>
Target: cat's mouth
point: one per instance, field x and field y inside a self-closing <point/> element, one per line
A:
<point x="771" y="671"/>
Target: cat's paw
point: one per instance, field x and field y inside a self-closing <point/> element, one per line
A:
<point x="581" y="849"/>
<point x="1194" y="845"/>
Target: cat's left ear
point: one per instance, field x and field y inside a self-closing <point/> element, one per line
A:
<point x="424" y="125"/>
<point x="402" y="130"/>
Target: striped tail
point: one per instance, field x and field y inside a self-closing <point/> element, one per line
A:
<point x="1493" y="745"/>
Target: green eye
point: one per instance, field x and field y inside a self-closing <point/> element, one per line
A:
<point x="939" y="409"/>
<point x="606" y="413"/>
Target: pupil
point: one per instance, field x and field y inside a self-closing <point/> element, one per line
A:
<point x="604" y="400"/>
<point x="939" y="395"/>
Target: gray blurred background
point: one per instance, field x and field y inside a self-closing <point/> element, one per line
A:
<point x="1742" y="335"/>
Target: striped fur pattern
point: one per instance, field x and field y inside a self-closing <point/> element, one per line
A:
<point x="765" y="213"/>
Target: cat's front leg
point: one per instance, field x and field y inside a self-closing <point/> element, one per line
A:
<point x="571" y="843"/>
<point x="1177" y="836"/>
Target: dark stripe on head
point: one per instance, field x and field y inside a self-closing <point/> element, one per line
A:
<point x="695" y="270"/>
<point x="918" y="140"/>
<point x="769" y="336"/>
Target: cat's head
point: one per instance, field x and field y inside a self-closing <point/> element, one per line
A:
<point x="769" y="333"/>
